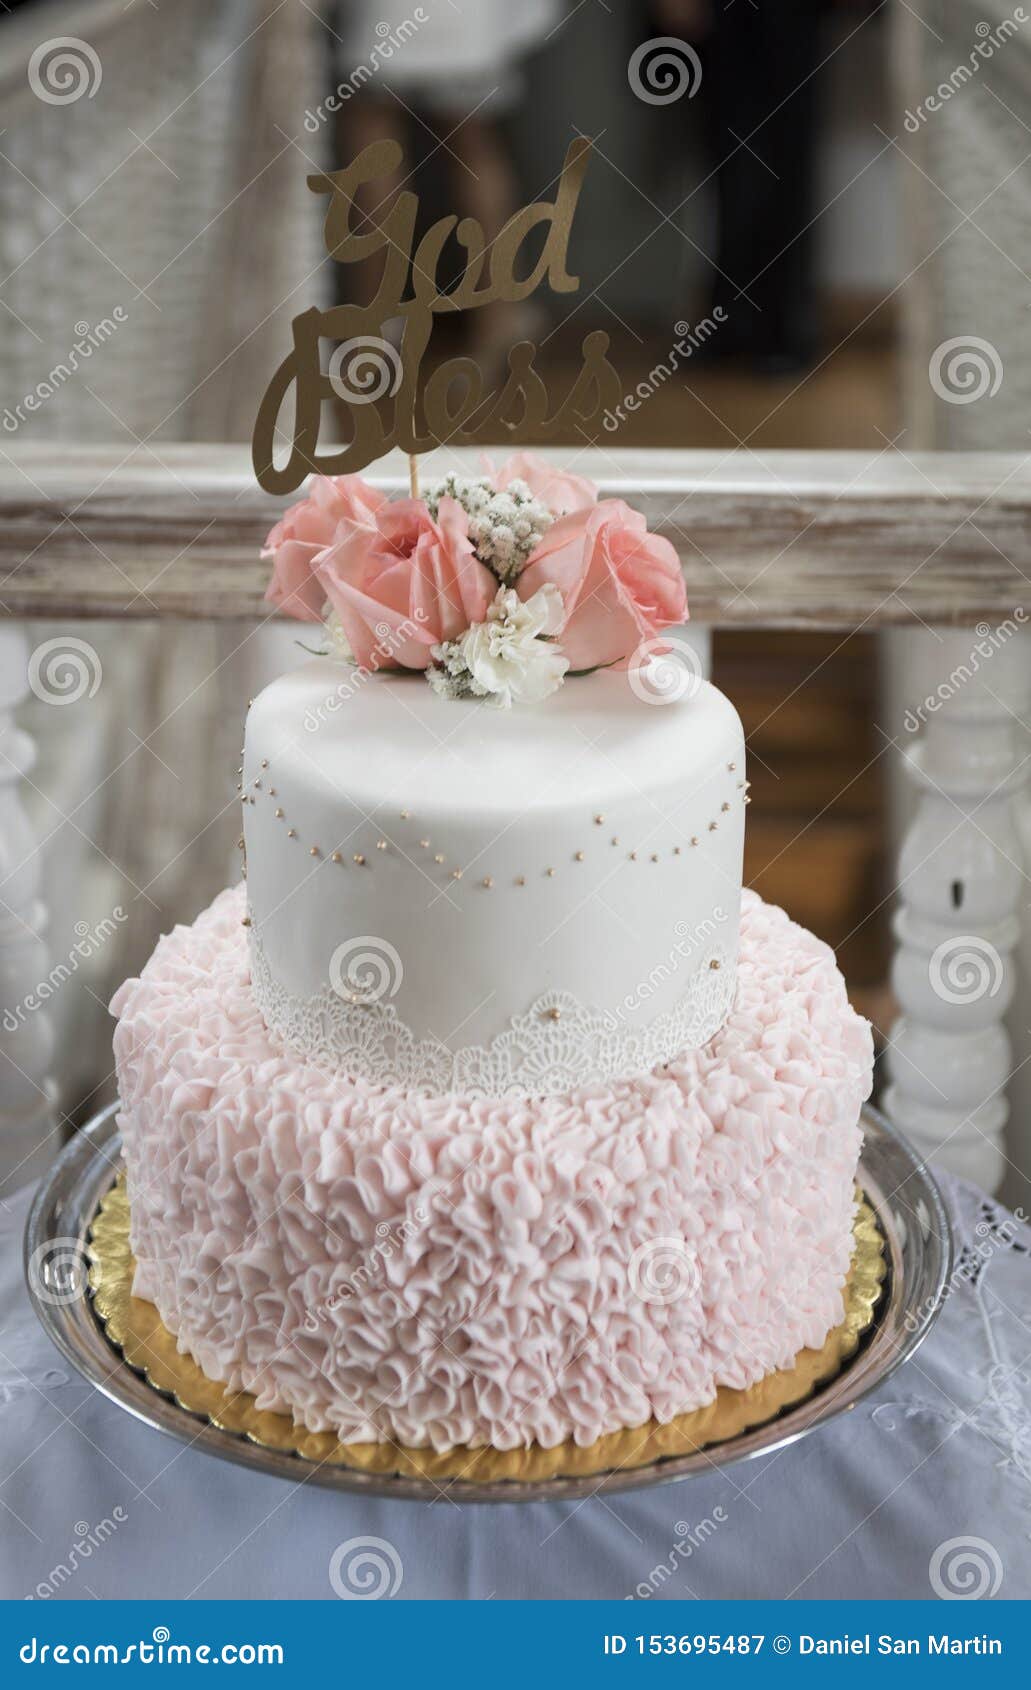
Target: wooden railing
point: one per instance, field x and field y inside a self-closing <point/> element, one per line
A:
<point x="776" y="539"/>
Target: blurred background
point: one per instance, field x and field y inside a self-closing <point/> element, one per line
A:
<point x="769" y="187"/>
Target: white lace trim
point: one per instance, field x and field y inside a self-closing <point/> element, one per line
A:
<point x="557" y="1046"/>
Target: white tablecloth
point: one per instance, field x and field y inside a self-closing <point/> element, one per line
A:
<point x="92" y="1504"/>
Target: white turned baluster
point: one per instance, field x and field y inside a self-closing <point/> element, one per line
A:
<point x="960" y="885"/>
<point x="28" y="1112"/>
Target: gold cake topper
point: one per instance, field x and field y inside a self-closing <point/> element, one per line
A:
<point x="380" y="381"/>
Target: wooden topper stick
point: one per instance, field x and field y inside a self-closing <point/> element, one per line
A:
<point x="413" y="475"/>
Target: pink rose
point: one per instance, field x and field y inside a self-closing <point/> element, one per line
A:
<point x="403" y="582"/>
<point x="619" y="584"/>
<point x="556" y="488"/>
<point x="304" y="531"/>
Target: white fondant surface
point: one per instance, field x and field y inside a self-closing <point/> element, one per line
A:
<point x="383" y="769"/>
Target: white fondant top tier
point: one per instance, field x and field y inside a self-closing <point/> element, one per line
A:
<point x="426" y="875"/>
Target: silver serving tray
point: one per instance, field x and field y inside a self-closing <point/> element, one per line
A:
<point x="909" y="1208"/>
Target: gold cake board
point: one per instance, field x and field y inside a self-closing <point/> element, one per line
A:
<point x="135" y="1328"/>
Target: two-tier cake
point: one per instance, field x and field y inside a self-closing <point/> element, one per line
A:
<point x="488" y="1110"/>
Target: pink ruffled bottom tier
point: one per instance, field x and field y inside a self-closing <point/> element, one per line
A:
<point x="453" y="1270"/>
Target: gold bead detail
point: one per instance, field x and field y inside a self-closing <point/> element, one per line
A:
<point x="424" y="844"/>
<point x="550" y="872"/>
<point x="279" y="814"/>
<point x="714" y="963"/>
<point x="336" y="857"/>
<point x="313" y="851"/>
<point x="487" y="881"/>
<point x="520" y="880"/>
<point x="579" y="856"/>
<point x="381" y="844"/>
<point x="732" y="767"/>
<point x="694" y="839"/>
<point x="554" y="1013"/>
<point x="246" y="922"/>
<point x="240" y="843"/>
<point x="615" y="841"/>
<point x="272" y="792"/>
<point x="724" y="808"/>
<point x="747" y="799"/>
<point x="676" y="850"/>
<point x="633" y="856"/>
<point x="456" y="874"/>
<point x="655" y="856"/>
<point x="291" y="833"/>
<point x="264" y="762"/>
<point x="598" y="820"/>
<point x="359" y="859"/>
<point x="713" y="826"/>
<point x="404" y="815"/>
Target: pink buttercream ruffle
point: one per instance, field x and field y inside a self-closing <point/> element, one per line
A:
<point x="458" y="1270"/>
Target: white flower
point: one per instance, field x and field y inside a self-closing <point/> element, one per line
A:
<point x="504" y="527"/>
<point x="508" y="659"/>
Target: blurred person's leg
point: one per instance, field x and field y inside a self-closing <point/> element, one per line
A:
<point x="761" y="84"/>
